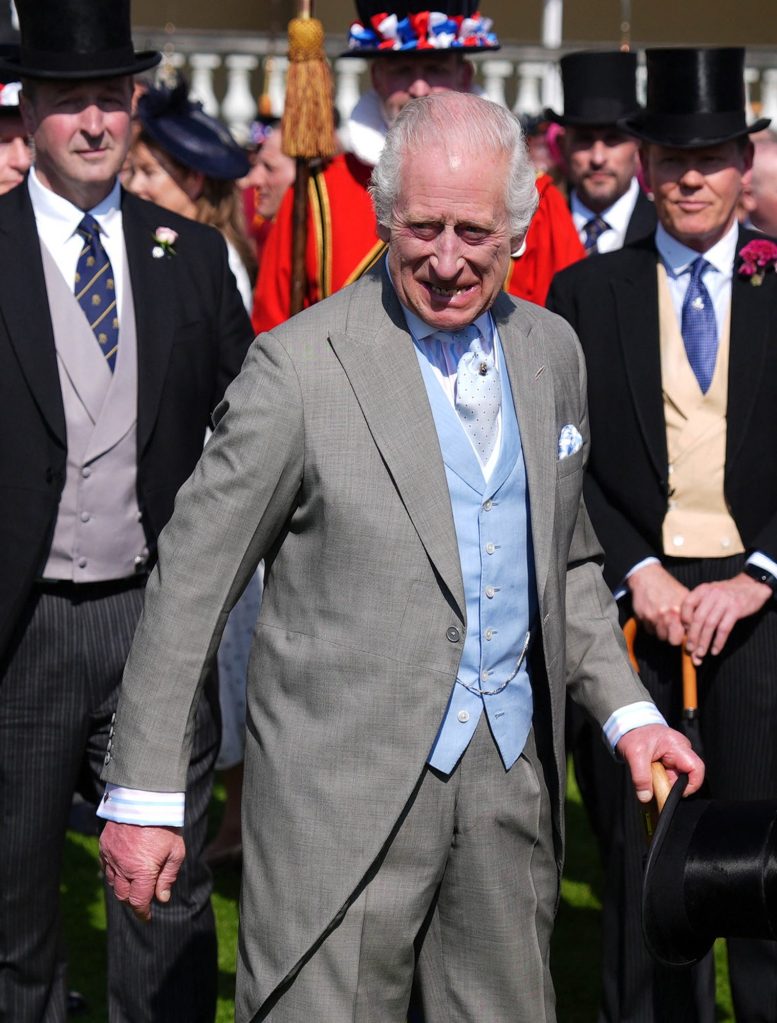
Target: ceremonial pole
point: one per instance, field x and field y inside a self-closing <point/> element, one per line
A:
<point x="307" y="127"/>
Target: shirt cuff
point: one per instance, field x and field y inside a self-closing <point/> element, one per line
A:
<point x="760" y="560"/>
<point x="633" y="715"/>
<point x="623" y="588"/>
<point x="135" y="806"/>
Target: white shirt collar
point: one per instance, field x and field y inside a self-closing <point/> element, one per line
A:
<point x="62" y="218"/>
<point x="678" y="257"/>
<point x="617" y="216"/>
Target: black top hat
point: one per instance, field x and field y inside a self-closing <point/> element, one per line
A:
<point x="192" y="137"/>
<point x="695" y="98"/>
<point x="71" y="39"/>
<point x="711" y="873"/>
<point x="599" y="88"/>
<point x="408" y="27"/>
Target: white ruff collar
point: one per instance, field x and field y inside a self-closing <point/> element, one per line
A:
<point x="367" y="128"/>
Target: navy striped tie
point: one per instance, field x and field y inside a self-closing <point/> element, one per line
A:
<point x="96" y="291"/>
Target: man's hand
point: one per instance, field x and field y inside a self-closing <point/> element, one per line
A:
<point x="643" y="746"/>
<point x="140" y="863"/>
<point x="657" y="598"/>
<point x="711" y="610"/>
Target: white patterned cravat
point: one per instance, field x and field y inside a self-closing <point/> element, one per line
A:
<point x="478" y="396"/>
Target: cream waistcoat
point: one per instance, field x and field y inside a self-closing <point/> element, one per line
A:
<point x="698" y="523"/>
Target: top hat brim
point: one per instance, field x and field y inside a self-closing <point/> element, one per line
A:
<point x="74" y="66"/>
<point x="572" y="121"/>
<point x="668" y="933"/>
<point x="692" y="132"/>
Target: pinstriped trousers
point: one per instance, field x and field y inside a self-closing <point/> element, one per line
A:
<point x="58" y="690"/>
<point x="738" y="718"/>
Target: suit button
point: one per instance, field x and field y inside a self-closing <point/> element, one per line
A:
<point x="453" y="634"/>
<point x="463" y="716"/>
<point x="107" y="759"/>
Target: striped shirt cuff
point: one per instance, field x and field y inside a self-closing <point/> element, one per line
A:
<point x="633" y="715"/>
<point x="135" y="806"/>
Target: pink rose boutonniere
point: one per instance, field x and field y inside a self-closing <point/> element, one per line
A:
<point x="164" y="242"/>
<point x="757" y="258"/>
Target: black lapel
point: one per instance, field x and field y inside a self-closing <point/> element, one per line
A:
<point x="635" y="287"/>
<point x="154" y="295"/>
<point x="752" y="315"/>
<point x="24" y="307"/>
<point x="643" y="220"/>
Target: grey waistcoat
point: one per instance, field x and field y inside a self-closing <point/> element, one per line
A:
<point x="98" y="534"/>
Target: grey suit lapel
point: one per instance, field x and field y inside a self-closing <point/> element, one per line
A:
<point x="532" y="387"/>
<point x="377" y="355"/>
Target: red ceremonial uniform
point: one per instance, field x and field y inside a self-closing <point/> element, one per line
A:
<point x="342" y="243"/>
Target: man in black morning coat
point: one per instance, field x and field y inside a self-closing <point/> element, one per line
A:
<point x="681" y="348"/>
<point x="103" y="418"/>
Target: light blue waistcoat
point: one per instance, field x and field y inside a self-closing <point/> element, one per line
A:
<point x="497" y="566"/>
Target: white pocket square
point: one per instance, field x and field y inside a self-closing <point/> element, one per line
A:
<point x="569" y="441"/>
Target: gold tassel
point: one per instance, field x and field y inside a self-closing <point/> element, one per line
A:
<point x="308" y="126"/>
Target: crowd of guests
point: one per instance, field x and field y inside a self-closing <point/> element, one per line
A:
<point x="645" y="240"/>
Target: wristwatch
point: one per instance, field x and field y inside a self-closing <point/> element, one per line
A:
<point x="761" y="575"/>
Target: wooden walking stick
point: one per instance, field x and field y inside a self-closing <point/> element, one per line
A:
<point x="307" y="127"/>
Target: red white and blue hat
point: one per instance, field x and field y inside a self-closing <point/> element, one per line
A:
<point x="408" y="28"/>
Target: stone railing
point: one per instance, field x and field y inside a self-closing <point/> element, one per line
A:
<point x="228" y="71"/>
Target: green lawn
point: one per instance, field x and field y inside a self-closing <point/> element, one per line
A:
<point x="575" y="945"/>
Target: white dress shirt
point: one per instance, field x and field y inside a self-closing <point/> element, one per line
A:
<point x="57" y="222"/>
<point x="617" y="216"/>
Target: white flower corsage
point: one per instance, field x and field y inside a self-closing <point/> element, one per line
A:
<point x="164" y="242"/>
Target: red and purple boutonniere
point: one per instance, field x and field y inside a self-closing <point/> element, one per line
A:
<point x="757" y="259"/>
<point x="164" y="242"/>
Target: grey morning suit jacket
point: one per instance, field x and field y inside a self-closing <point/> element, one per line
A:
<point x="326" y="463"/>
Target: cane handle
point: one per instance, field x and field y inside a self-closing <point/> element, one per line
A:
<point x="661" y="784"/>
<point x="630" y="634"/>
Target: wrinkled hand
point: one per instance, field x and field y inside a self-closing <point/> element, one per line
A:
<point x="711" y="610"/>
<point x="140" y="863"/>
<point x="657" y="598"/>
<point x="648" y="744"/>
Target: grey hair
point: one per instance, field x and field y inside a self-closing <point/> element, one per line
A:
<point x="447" y="120"/>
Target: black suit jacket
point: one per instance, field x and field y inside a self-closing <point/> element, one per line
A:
<point x="192" y="333"/>
<point x="612" y="303"/>
<point x="643" y="220"/>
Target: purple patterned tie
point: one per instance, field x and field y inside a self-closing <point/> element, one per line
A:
<point x="699" y="327"/>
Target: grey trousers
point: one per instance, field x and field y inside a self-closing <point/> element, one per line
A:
<point x="58" y="690"/>
<point x="465" y="891"/>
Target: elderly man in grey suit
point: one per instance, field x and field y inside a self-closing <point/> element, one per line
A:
<point x="407" y="457"/>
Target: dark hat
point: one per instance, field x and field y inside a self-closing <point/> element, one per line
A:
<point x="695" y="98"/>
<point x="192" y="137"/>
<point x="76" y="39"/>
<point x="599" y="88"/>
<point x="711" y="873"/>
<point x="409" y="27"/>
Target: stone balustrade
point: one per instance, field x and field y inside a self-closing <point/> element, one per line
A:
<point x="227" y="73"/>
